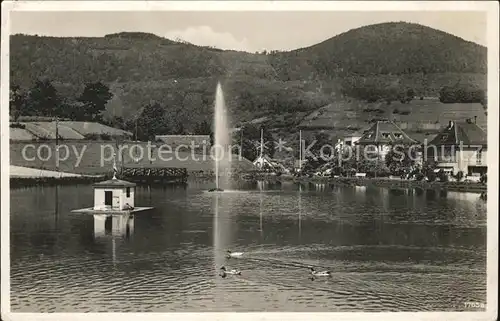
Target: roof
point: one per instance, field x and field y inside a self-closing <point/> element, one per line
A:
<point x="183" y="139"/>
<point x="385" y="132"/>
<point x="114" y="182"/>
<point x="467" y="133"/>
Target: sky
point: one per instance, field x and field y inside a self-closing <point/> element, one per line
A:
<point x="244" y="30"/>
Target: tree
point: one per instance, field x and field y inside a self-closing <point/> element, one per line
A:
<point x="95" y="96"/>
<point x="204" y="128"/>
<point x="400" y="159"/>
<point x="151" y="122"/>
<point x="321" y="151"/>
<point x="179" y="129"/>
<point x="17" y="102"/>
<point x="43" y="100"/>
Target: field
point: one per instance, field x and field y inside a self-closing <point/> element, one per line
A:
<point x="67" y="130"/>
<point x="419" y="118"/>
<point x="91" y="157"/>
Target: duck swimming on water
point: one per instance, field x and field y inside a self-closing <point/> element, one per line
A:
<point x="224" y="271"/>
<point x="322" y="273"/>
<point x="233" y="254"/>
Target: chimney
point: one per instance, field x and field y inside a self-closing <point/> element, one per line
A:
<point x="450" y="124"/>
<point x="475" y="119"/>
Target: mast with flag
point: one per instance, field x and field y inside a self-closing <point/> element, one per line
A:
<point x="300" y="150"/>
<point x="115" y="169"/>
<point x="261" y="143"/>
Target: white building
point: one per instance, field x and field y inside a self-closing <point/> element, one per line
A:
<point x="461" y="146"/>
<point x="114" y="194"/>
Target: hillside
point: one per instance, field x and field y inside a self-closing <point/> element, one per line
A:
<point x="142" y="68"/>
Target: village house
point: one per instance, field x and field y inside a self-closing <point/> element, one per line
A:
<point x="197" y="142"/>
<point x="382" y="136"/>
<point x="266" y="163"/>
<point x="349" y="140"/>
<point x="461" y="146"/>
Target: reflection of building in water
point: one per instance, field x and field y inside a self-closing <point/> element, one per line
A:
<point x="114" y="225"/>
<point x="360" y="189"/>
<point x="320" y="186"/>
<point x="463" y="196"/>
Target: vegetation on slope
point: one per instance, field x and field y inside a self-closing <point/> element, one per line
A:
<point x="390" y="61"/>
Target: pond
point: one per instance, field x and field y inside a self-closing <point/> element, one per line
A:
<point x="387" y="250"/>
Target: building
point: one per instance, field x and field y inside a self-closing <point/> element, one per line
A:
<point x="349" y="140"/>
<point x="382" y="136"/>
<point x="266" y="163"/>
<point x="461" y="146"/>
<point x="114" y="194"/>
<point x="186" y="141"/>
<point x="352" y="139"/>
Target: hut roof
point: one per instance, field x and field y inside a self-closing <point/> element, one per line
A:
<point x="114" y="183"/>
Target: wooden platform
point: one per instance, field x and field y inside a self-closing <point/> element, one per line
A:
<point x="166" y="175"/>
<point x="90" y="210"/>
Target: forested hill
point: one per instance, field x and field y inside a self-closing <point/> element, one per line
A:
<point x="143" y="68"/>
<point x="393" y="48"/>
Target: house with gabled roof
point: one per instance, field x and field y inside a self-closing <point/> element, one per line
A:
<point x="383" y="135"/>
<point x="461" y="146"/>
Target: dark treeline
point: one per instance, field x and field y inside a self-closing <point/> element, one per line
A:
<point x="43" y="100"/>
<point x="461" y="94"/>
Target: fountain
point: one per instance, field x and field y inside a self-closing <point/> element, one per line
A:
<point x="222" y="143"/>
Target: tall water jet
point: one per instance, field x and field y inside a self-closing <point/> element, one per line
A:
<point x="222" y="148"/>
<point x="222" y="159"/>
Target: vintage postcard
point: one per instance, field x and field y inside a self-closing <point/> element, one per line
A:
<point x="234" y="160"/>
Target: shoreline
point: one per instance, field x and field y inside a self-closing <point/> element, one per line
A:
<point x="19" y="181"/>
<point x="382" y="182"/>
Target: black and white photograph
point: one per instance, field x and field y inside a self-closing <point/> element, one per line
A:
<point x="338" y="159"/>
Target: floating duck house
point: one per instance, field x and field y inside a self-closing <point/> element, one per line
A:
<point x="113" y="196"/>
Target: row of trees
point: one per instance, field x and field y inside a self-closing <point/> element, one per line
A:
<point x="461" y="94"/>
<point x="154" y="120"/>
<point x="43" y="99"/>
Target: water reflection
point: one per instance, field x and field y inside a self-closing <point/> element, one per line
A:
<point x="113" y="225"/>
<point x="300" y="211"/>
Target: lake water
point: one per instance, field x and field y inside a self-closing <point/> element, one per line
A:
<point x="387" y="250"/>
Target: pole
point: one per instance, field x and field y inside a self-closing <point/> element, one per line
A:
<point x="135" y="130"/>
<point x="241" y="141"/>
<point x="57" y="144"/>
<point x="300" y="149"/>
<point x="261" y="142"/>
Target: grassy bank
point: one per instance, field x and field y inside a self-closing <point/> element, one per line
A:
<point x="94" y="157"/>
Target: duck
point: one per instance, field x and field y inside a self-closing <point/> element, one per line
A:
<point x="322" y="273"/>
<point x="231" y="272"/>
<point x="233" y="254"/>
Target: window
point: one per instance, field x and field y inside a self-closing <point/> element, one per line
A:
<point x="444" y="138"/>
<point x="398" y="135"/>
<point x="386" y="135"/>
<point x="128" y="192"/>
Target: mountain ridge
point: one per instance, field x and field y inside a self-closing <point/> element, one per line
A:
<point x="142" y="68"/>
